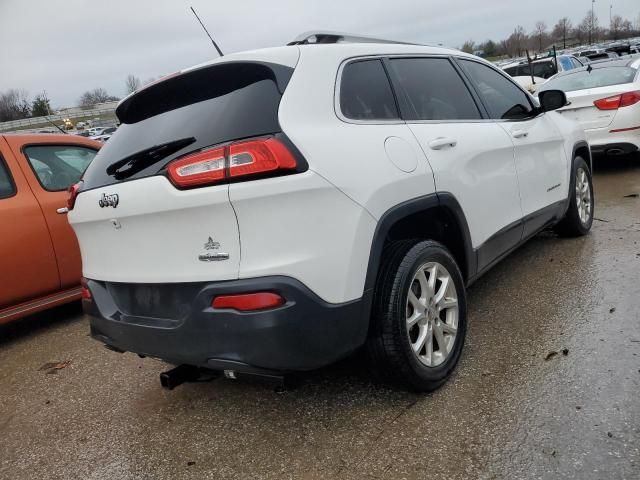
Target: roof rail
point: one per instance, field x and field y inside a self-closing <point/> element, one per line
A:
<point x="312" y="38"/>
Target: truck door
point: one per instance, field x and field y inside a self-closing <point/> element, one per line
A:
<point x="28" y="267"/>
<point x="50" y="170"/>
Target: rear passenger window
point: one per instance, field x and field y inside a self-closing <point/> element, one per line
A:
<point x="7" y="189"/>
<point x="503" y="98"/>
<point x="59" y="166"/>
<point x="365" y="92"/>
<point x="434" y="90"/>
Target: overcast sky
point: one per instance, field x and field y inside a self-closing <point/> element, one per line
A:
<point x="70" y="46"/>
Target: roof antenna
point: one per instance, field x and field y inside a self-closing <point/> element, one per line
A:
<point x="207" y="32"/>
<point x="46" y="117"/>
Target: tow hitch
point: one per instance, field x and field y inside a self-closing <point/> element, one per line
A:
<point x="187" y="373"/>
<point x="179" y="375"/>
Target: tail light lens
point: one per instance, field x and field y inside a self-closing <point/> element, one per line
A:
<point x="85" y="293"/>
<point x="73" y="193"/>
<point x="629" y="98"/>
<point x="242" y="159"/>
<point x="249" y="302"/>
<point x="260" y="156"/>
<point x="618" y="101"/>
<point x="200" y="169"/>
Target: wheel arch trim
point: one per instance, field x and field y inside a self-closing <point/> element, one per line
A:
<point x="438" y="200"/>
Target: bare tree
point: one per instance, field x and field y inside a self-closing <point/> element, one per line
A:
<point x="540" y="32"/>
<point x="588" y="27"/>
<point x="14" y="105"/>
<point x="561" y="30"/>
<point x="468" y="46"/>
<point x="97" y="95"/>
<point x="132" y="83"/>
<point x="517" y="41"/>
<point x="616" y="26"/>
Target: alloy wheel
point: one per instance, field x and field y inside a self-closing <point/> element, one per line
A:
<point x="583" y="196"/>
<point x="432" y="314"/>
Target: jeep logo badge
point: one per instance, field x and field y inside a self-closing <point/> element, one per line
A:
<point x="109" y="200"/>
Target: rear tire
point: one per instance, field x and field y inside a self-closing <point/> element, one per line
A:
<point x="579" y="217"/>
<point x="419" y="316"/>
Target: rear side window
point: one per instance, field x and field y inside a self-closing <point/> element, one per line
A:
<point x="502" y="97"/>
<point x="365" y="92"/>
<point x="434" y="90"/>
<point x="57" y="167"/>
<point x="191" y="111"/>
<point x="565" y="63"/>
<point x="7" y="189"/>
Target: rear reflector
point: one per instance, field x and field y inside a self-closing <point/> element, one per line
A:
<point x="85" y="293"/>
<point x="617" y="130"/>
<point x="249" y="302"/>
<point x="264" y="156"/>
<point x="618" y="101"/>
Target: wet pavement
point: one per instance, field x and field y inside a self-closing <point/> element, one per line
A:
<point x="514" y="408"/>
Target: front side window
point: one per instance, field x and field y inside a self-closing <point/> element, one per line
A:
<point x="365" y="92"/>
<point x="434" y="90"/>
<point x="57" y="167"/>
<point x="503" y="99"/>
<point x="7" y="189"/>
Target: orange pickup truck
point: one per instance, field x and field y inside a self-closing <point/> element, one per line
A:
<point x="39" y="256"/>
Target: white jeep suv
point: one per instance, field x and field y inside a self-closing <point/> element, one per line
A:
<point x="272" y="211"/>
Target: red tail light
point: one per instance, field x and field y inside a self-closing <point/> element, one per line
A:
<point x="241" y="159"/>
<point x="200" y="169"/>
<point x="260" y="156"/>
<point x="618" y="101"/>
<point x="73" y="193"/>
<point x="248" y="302"/>
<point x="85" y="293"/>
<point x="630" y="98"/>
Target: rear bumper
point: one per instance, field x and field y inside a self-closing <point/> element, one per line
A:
<point x="614" y="148"/>
<point x="602" y="140"/>
<point x="303" y="334"/>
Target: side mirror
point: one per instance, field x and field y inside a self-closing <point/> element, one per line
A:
<point x="552" y="100"/>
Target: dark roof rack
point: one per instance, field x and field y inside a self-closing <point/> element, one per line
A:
<point x="312" y="38"/>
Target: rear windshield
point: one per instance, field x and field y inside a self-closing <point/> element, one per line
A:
<point x="187" y="112"/>
<point x="598" y="77"/>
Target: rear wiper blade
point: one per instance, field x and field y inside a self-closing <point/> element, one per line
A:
<point x="129" y="166"/>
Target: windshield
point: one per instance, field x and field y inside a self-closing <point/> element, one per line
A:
<point x="598" y="77"/>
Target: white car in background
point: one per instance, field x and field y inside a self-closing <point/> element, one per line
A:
<point x="605" y="100"/>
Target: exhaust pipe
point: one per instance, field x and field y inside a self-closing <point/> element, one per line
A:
<point x="179" y="375"/>
<point x="614" y="151"/>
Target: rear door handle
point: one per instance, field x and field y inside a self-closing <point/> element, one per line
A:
<point x="519" y="133"/>
<point x="62" y="210"/>
<point x="442" y="142"/>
